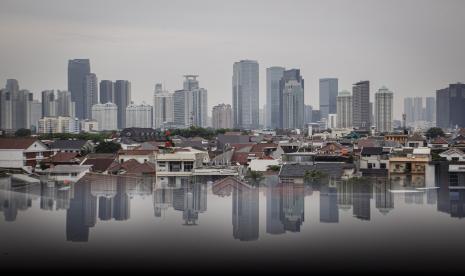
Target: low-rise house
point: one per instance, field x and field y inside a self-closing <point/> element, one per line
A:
<point x="262" y="165"/>
<point x="180" y="161"/>
<point x="77" y="146"/>
<point x="140" y="155"/>
<point x="22" y="153"/>
<point x="415" y="141"/>
<point x="133" y="167"/>
<point x="374" y="160"/>
<point x="70" y="173"/>
<point x="456" y="158"/>
<point x="410" y="163"/>
<point x="62" y="158"/>
<point x="438" y="143"/>
<point x="333" y="148"/>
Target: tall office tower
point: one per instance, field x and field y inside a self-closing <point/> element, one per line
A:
<point x="77" y="71"/>
<point x="292" y="99"/>
<point x="106" y="116"/>
<point x="182" y="108"/>
<point x="190" y="82"/>
<point x="383" y="110"/>
<point x="430" y="110"/>
<point x="65" y="105"/>
<point x="90" y="94"/>
<point x="316" y="116"/>
<point x="35" y="114"/>
<point x="245" y="94"/>
<point x="344" y="109"/>
<point x="199" y="107"/>
<point x="245" y="213"/>
<point x="273" y="76"/>
<point x="107" y="91"/>
<point x="450" y="106"/>
<point x="222" y="116"/>
<point x="49" y="104"/>
<point x="332" y="121"/>
<point x="328" y="94"/>
<point x="408" y="110"/>
<point x="418" y="109"/>
<point x="15" y="106"/>
<point x="122" y="100"/>
<point x="308" y="114"/>
<point x="372" y="115"/>
<point x="162" y="107"/>
<point x="139" y="115"/>
<point x="361" y="105"/>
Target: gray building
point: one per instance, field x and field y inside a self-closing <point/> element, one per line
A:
<point x="222" y="116"/>
<point x="308" y="114"/>
<point x="65" y="106"/>
<point x="450" y="106"/>
<point x="408" y="110"/>
<point x="35" y="114"/>
<point x="122" y="100"/>
<point x="90" y="94"/>
<point x="361" y="105"/>
<point x="107" y="91"/>
<point x="273" y="77"/>
<point x="418" y="109"/>
<point x="77" y="71"/>
<point x="292" y="99"/>
<point x="384" y="110"/>
<point x="182" y="108"/>
<point x="15" y="106"/>
<point x="344" y="109"/>
<point x="245" y="100"/>
<point x="430" y="109"/>
<point x="49" y="103"/>
<point x="190" y="104"/>
<point x="328" y="94"/>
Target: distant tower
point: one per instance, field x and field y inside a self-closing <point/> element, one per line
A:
<point x="245" y="86"/>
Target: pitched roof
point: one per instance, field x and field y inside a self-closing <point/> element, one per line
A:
<point x="372" y="151"/>
<point x="144" y="168"/>
<point x="260" y="147"/>
<point x="439" y="141"/>
<point x="68" y="144"/>
<point x="99" y="165"/>
<point x="416" y="137"/>
<point x="62" y="157"/>
<point x="68" y="169"/>
<point x="452" y="151"/>
<point x="135" y="152"/>
<point x="16" y="143"/>
<point x="243" y="157"/>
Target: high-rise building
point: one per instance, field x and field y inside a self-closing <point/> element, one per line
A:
<point x="408" y="110"/>
<point x="344" y="109"/>
<point x="361" y="105"/>
<point x="328" y="94"/>
<point x="122" y="100"/>
<point x="273" y="77"/>
<point x="107" y="91"/>
<point x="49" y="103"/>
<point x="245" y="94"/>
<point x="58" y="124"/>
<point x="430" y="110"/>
<point x="90" y="94"/>
<point x="65" y="106"/>
<point x="77" y="71"/>
<point x="450" y="106"/>
<point x="190" y="104"/>
<point x="332" y="121"/>
<point x="139" y="115"/>
<point x="222" y="116"/>
<point x="199" y="107"/>
<point x="292" y="99"/>
<point x="35" y="114"/>
<point x="418" y="109"/>
<point x="383" y="110"/>
<point x="162" y="107"/>
<point x="106" y="116"/>
<point x="308" y="114"/>
<point x="182" y="108"/>
<point x="15" y="106"/>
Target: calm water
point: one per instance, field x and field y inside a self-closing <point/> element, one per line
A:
<point x="110" y="222"/>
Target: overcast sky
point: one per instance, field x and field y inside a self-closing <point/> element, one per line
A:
<point x="412" y="47"/>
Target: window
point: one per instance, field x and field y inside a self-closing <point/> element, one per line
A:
<point x="382" y="165"/>
<point x="74" y="174"/>
<point x="188" y="166"/>
<point x="455" y="159"/>
<point x="175" y="166"/>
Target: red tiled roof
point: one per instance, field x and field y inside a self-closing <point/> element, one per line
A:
<point x="145" y="168"/>
<point x="261" y="146"/>
<point x="61" y="157"/>
<point x="16" y="143"/>
<point x="99" y="165"/>
<point x="439" y="141"/>
<point x="135" y="152"/>
<point x="242" y="157"/>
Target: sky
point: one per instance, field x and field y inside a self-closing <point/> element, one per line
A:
<point x="412" y="47"/>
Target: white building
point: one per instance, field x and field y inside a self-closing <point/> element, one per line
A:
<point x="190" y="104"/>
<point x="67" y="172"/>
<point x="89" y="125"/>
<point x="383" y="110"/>
<point x="344" y="109"/>
<point x="162" y="107"/>
<point x="222" y="116"/>
<point x="106" y="116"/>
<point x="139" y="115"/>
<point x="58" y="125"/>
<point x="332" y="121"/>
<point x="180" y="161"/>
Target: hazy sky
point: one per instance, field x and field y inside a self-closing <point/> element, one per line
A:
<point x="412" y="47"/>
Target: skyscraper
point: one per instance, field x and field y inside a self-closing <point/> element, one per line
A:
<point x="200" y="107"/>
<point x="162" y="107"/>
<point x="361" y="105"/>
<point x="418" y="109"/>
<point x="273" y="76"/>
<point x="77" y="71"/>
<point x="383" y="109"/>
<point x="222" y="116"/>
<point x="65" y="106"/>
<point x="15" y="106"/>
<point x="292" y="99"/>
<point x="139" y="115"/>
<point x="90" y="94"/>
<point x="105" y="115"/>
<point x="430" y="110"/>
<point x="328" y="94"/>
<point x="344" y="109"/>
<point x="408" y="110"/>
<point x="122" y="100"/>
<point x="308" y="114"/>
<point x="49" y="103"/>
<point x="36" y="114"/>
<point x="107" y="91"/>
<point x="182" y="108"/>
<point x="450" y="106"/>
<point x="190" y="104"/>
<point x="245" y="94"/>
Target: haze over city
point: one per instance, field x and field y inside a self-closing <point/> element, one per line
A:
<point x="412" y="47"/>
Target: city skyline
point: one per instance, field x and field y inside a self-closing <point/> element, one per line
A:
<point x="411" y="63"/>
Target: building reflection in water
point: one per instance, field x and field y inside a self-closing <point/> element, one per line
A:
<point x="384" y="199"/>
<point x="190" y="199"/>
<point x="329" y="211"/>
<point x="82" y="213"/>
<point x="11" y="202"/>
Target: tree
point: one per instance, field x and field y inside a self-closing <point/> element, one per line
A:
<point x="254" y="177"/>
<point x="107" y="147"/>
<point x="23" y="132"/>
<point x="434" y="132"/>
<point x="274" y="168"/>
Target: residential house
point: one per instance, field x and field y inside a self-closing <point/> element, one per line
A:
<point x="438" y="143"/>
<point x="140" y="155"/>
<point x="374" y="160"/>
<point x="70" y="173"/>
<point x="77" y="146"/>
<point x="416" y="140"/>
<point x="180" y="161"/>
<point x="410" y="163"/>
<point x="22" y="153"/>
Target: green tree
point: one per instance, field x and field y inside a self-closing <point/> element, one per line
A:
<point x="434" y="132"/>
<point x="23" y="132"/>
<point x="274" y="168"/>
<point x="254" y="177"/>
<point x="314" y="175"/>
<point x="107" y="147"/>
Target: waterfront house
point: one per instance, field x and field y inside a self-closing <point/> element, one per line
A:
<point x="179" y="161"/>
<point x="22" y="153"/>
<point x="70" y="173"/>
<point x="416" y="140"/>
<point x="77" y="146"/>
<point x="456" y="158"/>
<point x="438" y="143"/>
<point x="140" y="155"/>
<point x="410" y="163"/>
<point x="374" y="160"/>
